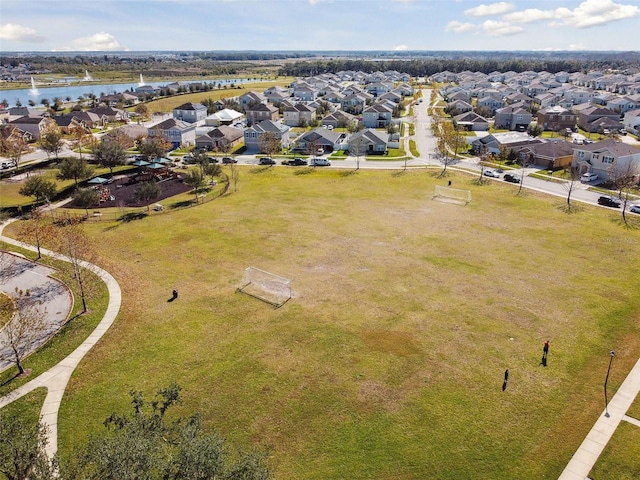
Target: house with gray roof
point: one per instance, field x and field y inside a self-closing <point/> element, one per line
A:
<point x="190" y="112"/>
<point x="608" y="159"/>
<point x="253" y="135"/>
<point x="368" y="141"/>
<point x="177" y="132"/>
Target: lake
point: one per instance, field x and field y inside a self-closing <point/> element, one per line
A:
<point x="76" y="90"/>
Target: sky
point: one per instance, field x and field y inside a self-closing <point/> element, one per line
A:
<point x="205" y="25"/>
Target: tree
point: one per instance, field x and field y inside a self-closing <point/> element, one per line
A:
<point x="526" y="161"/>
<point x="154" y="147"/>
<point x="86" y="197"/>
<point x="51" y="139"/>
<point x="145" y="445"/>
<point x="535" y="130"/>
<point x="142" y="110"/>
<point x="39" y="187"/>
<point x="235" y="175"/>
<point x="36" y="230"/>
<point x="22" y="450"/>
<point x="23" y="330"/>
<point x="358" y="148"/>
<point x="80" y="137"/>
<point x="270" y="143"/>
<point x="485" y="157"/>
<point x="13" y="145"/>
<point x="623" y="177"/>
<point x="147" y="192"/>
<point x="195" y="179"/>
<point x="569" y="186"/>
<point x="73" y="168"/>
<point x="109" y="154"/>
<point x="72" y="241"/>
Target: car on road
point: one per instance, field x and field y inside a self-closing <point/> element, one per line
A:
<point x="296" y="162"/>
<point x="635" y="209"/>
<point x="319" y="162"/>
<point x="609" y="202"/>
<point x="588" y="177"/>
<point x="189" y="159"/>
<point x="491" y="173"/>
<point x="9" y="164"/>
<point x="511" y="178"/>
<point x="267" y="161"/>
<point x="227" y="160"/>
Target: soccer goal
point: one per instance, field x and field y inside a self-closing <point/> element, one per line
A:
<point x="268" y="287"/>
<point x="452" y="195"/>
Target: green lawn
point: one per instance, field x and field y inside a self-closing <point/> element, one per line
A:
<point x="388" y="360"/>
<point x="619" y="460"/>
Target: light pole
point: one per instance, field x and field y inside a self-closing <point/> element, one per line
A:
<point x="606" y="400"/>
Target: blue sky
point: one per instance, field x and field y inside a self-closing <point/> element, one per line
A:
<point x="114" y="25"/>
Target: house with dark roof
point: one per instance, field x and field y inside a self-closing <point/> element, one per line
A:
<point x="67" y="123"/>
<point x="556" y="118"/>
<point x="548" y="155"/>
<point x="377" y="116"/>
<point x="298" y="115"/>
<point x="190" y="112"/>
<point x="127" y="134"/>
<point x="221" y="139"/>
<point x="513" y="117"/>
<point x="34" y="126"/>
<point x="253" y="135"/>
<point x="339" y="119"/>
<point x="328" y="140"/>
<point x="260" y="112"/>
<point x="590" y="117"/>
<point x="368" y="141"/>
<point x="250" y="99"/>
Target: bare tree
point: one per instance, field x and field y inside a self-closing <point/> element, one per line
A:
<point x="37" y="230"/>
<point x="22" y="333"/>
<point x="72" y="241"/>
<point x="526" y="161"/>
<point x="624" y="178"/>
<point x="358" y="148"/>
<point x="485" y="157"/>
<point x="235" y="175"/>
<point x="569" y="186"/>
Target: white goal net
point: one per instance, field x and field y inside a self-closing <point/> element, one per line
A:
<point x="452" y="195"/>
<point x="266" y="286"/>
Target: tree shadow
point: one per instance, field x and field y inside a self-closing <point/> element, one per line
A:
<point x="348" y="173"/>
<point x="182" y="204"/>
<point x="129" y="217"/>
<point x="304" y="171"/>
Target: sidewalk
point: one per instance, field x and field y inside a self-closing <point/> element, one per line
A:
<point x="587" y="454"/>
<point x="56" y="378"/>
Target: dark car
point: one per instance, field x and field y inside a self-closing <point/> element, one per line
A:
<point x="267" y="161"/>
<point x="511" y="178"/>
<point x="229" y="160"/>
<point x="609" y="202"/>
<point x="296" y="162"/>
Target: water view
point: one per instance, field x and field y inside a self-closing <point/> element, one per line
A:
<point x="37" y="92"/>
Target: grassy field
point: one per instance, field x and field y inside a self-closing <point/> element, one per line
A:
<point x="388" y="361"/>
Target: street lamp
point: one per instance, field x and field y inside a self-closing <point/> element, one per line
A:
<point x="606" y="401"/>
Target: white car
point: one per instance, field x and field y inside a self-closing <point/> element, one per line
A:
<point x="635" y="209"/>
<point x="491" y="173"/>
<point x="588" y="177"/>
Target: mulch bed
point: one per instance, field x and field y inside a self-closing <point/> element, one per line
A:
<point x="123" y="192"/>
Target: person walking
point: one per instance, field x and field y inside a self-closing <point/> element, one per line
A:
<point x="545" y="352"/>
<point x="506" y="380"/>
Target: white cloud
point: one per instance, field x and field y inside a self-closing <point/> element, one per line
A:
<point x="491" y="9"/>
<point x="102" y="41"/>
<point x="577" y="46"/>
<point x="400" y="48"/>
<point x="20" y="33"/>
<point x="589" y="13"/>
<point x="497" y="28"/>
<point x="460" y="27"/>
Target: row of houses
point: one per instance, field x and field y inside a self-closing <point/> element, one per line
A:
<point x="560" y="100"/>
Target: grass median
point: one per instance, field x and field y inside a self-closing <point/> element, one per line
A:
<point x="388" y="361"/>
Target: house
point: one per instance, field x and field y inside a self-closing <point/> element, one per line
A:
<point x="588" y="114"/>
<point x="368" y="141"/>
<point x="11" y="134"/>
<point x="177" y="132"/>
<point x="127" y="134"/>
<point x="379" y="88"/>
<point x="146" y="90"/>
<point x="276" y="93"/>
<point x="110" y="114"/>
<point x="34" y="126"/>
<point x="339" y="119"/>
<point x="491" y="102"/>
<point x="299" y="115"/>
<point x="623" y="104"/>
<point x="608" y="159"/>
<point x="253" y="135"/>
<point x="221" y="139"/>
<point x="327" y="140"/>
<point x="513" y="117"/>
<point x="355" y="102"/>
<point x="377" y="116"/>
<point x="260" y="112"/>
<point x="510" y="140"/>
<point x="471" y="121"/>
<point x="250" y="99"/>
<point x="69" y="122"/>
<point x="459" y="106"/>
<point x="305" y="92"/>
<point x="90" y="119"/>
<point x="190" y="112"/>
<point x="632" y="120"/>
<point x="556" y="118"/>
<point x="391" y="96"/>
<point x="226" y="116"/>
<point x="548" y="155"/>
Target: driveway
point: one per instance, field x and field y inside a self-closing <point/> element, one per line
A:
<point x="54" y="296"/>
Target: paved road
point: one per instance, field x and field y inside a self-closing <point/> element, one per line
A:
<point x="54" y="297"/>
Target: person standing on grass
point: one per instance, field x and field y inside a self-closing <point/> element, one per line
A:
<point x="545" y="352"/>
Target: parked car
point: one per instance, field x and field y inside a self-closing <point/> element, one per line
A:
<point x="267" y="161"/>
<point x="296" y="162"/>
<point x="319" y="162"/>
<point x="9" y="164"/>
<point x="609" y="202"/>
<point x="189" y="159"/>
<point x="588" y="177"/>
<point x="226" y="160"/>
<point x="491" y="173"/>
<point x="511" y="178"/>
<point x="320" y="151"/>
<point x="635" y="209"/>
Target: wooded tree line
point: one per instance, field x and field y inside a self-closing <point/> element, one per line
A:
<point x="426" y="67"/>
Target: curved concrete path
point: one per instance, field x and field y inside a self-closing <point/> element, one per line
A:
<point x="56" y="378"/>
